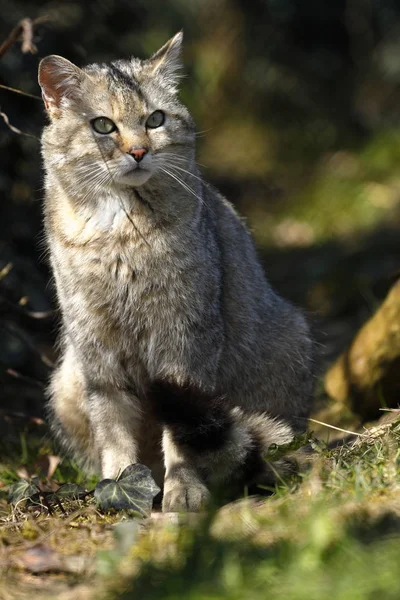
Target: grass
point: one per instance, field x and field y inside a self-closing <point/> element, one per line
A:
<point x="336" y="533"/>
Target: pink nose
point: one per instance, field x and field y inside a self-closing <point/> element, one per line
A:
<point x="137" y="153"/>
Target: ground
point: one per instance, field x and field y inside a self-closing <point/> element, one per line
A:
<point x="333" y="533"/>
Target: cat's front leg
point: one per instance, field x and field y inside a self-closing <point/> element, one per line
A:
<point x="199" y="444"/>
<point x="115" y="417"/>
<point x="184" y="489"/>
<point x="208" y="444"/>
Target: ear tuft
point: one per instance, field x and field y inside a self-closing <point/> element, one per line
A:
<point x="59" y="80"/>
<point x="167" y="60"/>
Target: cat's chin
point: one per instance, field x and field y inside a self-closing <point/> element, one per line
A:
<point x="134" y="178"/>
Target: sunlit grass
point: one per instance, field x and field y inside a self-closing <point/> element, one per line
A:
<point x="334" y="533"/>
<point x="337" y="535"/>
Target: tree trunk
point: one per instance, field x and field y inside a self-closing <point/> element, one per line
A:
<point x="366" y="377"/>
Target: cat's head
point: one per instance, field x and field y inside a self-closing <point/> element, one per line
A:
<point x="118" y="123"/>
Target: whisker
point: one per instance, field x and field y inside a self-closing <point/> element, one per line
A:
<point x="178" y="157"/>
<point x="184" y="185"/>
<point x="94" y="178"/>
<point x="88" y="174"/>
<point x="85" y="181"/>
<point x="94" y="190"/>
<point x="119" y="197"/>
<point x="201" y="133"/>
<point x="184" y="170"/>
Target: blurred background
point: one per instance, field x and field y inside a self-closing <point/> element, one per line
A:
<point x="297" y="105"/>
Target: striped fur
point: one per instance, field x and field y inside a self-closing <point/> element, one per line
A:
<point x="173" y="342"/>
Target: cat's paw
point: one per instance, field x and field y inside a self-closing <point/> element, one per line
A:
<point x="185" y="498"/>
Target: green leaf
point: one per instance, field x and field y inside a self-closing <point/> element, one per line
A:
<point x="70" y="491"/>
<point x="134" y="491"/>
<point x="276" y="452"/>
<point x="22" y="490"/>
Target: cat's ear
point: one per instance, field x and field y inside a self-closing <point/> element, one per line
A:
<point x="167" y="60"/>
<point x="59" y="80"/>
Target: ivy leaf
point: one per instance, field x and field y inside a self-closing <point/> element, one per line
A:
<point x="70" y="491"/>
<point x="276" y="452"/>
<point x="22" y="490"/>
<point x="133" y="491"/>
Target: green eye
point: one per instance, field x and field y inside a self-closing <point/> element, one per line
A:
<point x="103" y="125"/>
<point x="156" y="119"/>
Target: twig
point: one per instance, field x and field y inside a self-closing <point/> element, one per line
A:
<point x="5" y="270"/>
<point x="44" y="502"/>
<point x="60" y="506"/>
<point x="22" y="31"/>
<point x="15" y="129"/>
<point x="31" y="316"/>
<point x="337" y="428"/>
<point x="11" y="89"/>
<point x="6" y="414"/>
<point x="21" y="335"/>
<point x="24" y="378"/>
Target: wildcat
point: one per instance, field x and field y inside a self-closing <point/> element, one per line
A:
<point x="175" y="350"/>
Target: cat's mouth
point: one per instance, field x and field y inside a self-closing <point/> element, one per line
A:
<point x="135" y="176"/>
<point x="133" y="173"/>
<point x="136" y="169"/>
